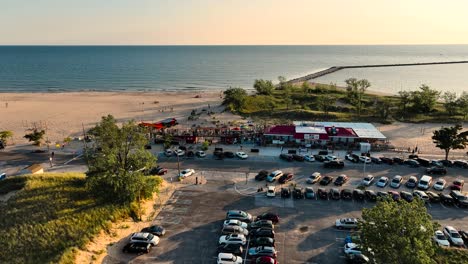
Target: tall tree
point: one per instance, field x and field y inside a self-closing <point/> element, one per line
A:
<point x="382" y="108"/>
<point x="398" y="232"/>
<point x="450" y="102"/>
<point x="448" y="138"/>
<point x="424" y="99"/>
<point x="234" y="98"/>
<point x="325" y="103"/>
<point x="405" y="100"/>
<point x="462" y="104"/>
<point x="264" y="87"/>
<point x="115" y="167"/>
<point x="282" y="82"/>
<point x="35" y="136"/>
<point x="356" y="90"/>
<point x="305" y="87"/>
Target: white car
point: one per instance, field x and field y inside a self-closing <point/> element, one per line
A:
<point x="365" y="159"/>
<point x="440" y="184"/>
<point x="330" y="157"/>
<point x="346" y="223"/>
<point x="352" y="248"/>
<point x="396" y="181"/>
<point x="201" y="154"/>
<point x="229" y="258"/>
<point x="382" y="182"/>
<point x="234" y="222"/>
<point x="233" y="239"/>
<point x="367" y="181"/>
<point x="421" y="195"/>
<point x="186" y="173"/>
<point x="144" y="237"/>
<point x="315" y="177"/>
<point x="168" y="152"/>
<point x="179" y="152"/>
<point x="309" y="158"/>
<point x="440" y="239"/>
<point x="242" y="155"/>
<point x="453" y="236"/>
<point x="271" y="191"/>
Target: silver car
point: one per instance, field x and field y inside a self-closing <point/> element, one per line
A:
<point x="396" y="181"/>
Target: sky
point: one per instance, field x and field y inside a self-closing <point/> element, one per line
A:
<point x="232" y="22"/>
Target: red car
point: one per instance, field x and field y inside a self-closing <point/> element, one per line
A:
<point x="285" y="178"/>
<point x="268" y="216"/>
<point x="265" y="260"/>
<point x="457" y="185"/>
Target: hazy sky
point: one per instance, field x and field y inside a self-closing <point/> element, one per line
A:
<point x="212" y="22"/>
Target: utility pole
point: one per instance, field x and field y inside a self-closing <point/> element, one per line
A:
<point x="178" y="165"/>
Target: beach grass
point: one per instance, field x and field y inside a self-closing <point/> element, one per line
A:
<point x="50" y="217"/>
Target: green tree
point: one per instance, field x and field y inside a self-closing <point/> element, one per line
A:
<point x="35" y="136"/>
<point x="382" y="108"/>
<point x="448" y="138"/>
<point x="5" y="135"/>
<point x="282" y="82"/>
<point x="305" y="87"/>
<point x="405" y="101"/>
<point x="264" y="87"/>
<point x="288" y="89"/>
<point x="425" y="99"/>
<point x="325" y="103"/>
<point x="398" y="232"/>
<point x="115" y="167"/>
<point x="450" y="102"/>
<point x="462" y="104"/>
<point x="356" y="90"/>
<point x="234" y="98"/>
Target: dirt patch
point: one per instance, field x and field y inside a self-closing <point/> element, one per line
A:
<point x="106" y="248"/>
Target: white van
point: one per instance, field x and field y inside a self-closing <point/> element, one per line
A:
<point x="425" y="182"/>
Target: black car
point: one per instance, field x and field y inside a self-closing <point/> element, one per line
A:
<point x="406" y="196"/>
<point x="218" y="155"/>
<point x="385" y="160"/>
<point x="383" y="195"/>
<point x="261" y="175"/>
<point x="235" y="249"/>
<point x="322" y="193"/>
<point x="262" y="241"/>
<point x="158" y="171"/>
<point x="376" y="160"/>
<point x="371" y="195"/>
<point x="412" y="163"/>
<point x="340" y="180"/>
<point x="337" y="164"/>
<point x="424" y="162"/>
<point x="298" y="157"/>
<point x="433" y="197"/>
<point x="286" y="157"/>
<point x="334" y="194"/>
<point x="460" y="164"/>
<point x="262" y="232"/>
<point x="320" y="158"/>
<point x="446" y="163"/>
<point x="298" y="193"/>
<point x="446" y="199"/>
<point x="346" y="194"/>
<point x="268" y="216"/>
<point x="261" y="223"/>
<point x="464" y="235"/>
<point x="155" y="230"/>
<point x="285" y="193"/>
<point x="326" y="180"/>
<point x="413" y="156"/>
<point x="229" y="154"/>
<point x="137" y="247"/>
<point x="285" y="178"/>
<point x="352" y="157"/>
<point x="190" y="154"/>
<point x="459" y="198"/>
<point x="398" y="160"/>
<point x="436" y="170"/>
<point x="358" y="194"/>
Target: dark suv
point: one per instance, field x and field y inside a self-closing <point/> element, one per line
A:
<point x="460" y="199"/>
<point x="261" y="175"/>
<point x="436" y="170"/>
<point x="338" y="164"/>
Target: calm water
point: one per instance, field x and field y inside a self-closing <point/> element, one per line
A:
<point x="147" y="68"/>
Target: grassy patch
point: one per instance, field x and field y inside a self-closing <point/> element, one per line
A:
<point x="451" y="256"/>
<point x="50" y="218"/>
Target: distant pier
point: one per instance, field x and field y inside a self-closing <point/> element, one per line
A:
<point x="338" y="68"/>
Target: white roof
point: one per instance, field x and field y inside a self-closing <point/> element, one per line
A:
<point x="362" y="130"/>
<point x="310" y="130"/>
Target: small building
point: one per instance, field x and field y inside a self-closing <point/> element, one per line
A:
<point x="33" y="169"/>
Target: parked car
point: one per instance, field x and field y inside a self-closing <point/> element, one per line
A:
<point x="453" y="236"/>
<point x="460" y="164"/>
<point x="229" y="154"/>
<point x="261" y="223"/>
<point x="371" y="195"/>
<point x="411" y="182"/>
<point x="309" y="158"/>
<point x="235" y="249"/>
<point x="242" y="155"/>
<point x="340" y="180"/>
<point x="382" y="182"/>
<point x="268" y="216"/>
<point x="376" y="160"/>
<point x="396" y="181"/>
<point x="421" y="195"/>
<point x="330" y="157"/>
<point x="436" y="163"/>
<point x="326" y="180"/>
<point x="262" y="241"/>
<point x="358" y="194"/>
<point x="179" y="152"/>
<point x="440" y="239"/>
<point x="457" y="185"/>
<point x="286" y="157"/>
<point x="228" y="258"/>
<point x="334" y="194"/>
<point x="264" y="260"/>
<point x="357" y="259"/>
<point x="433" y="197"/>
<point x="239" y="215"/>
<point x="168" y="152"/>
<point x="365" y="159"/>
<point x="158" y="171"/>
<point x="338" y="164"/>
<point x="298" y="193"/>
<point x="155" y="230"/>
<point x="383" y="194"/>
<point x="425" y="182"/>
<point x="285" y="178"/>
<point x="439" y="185"/>
<point x="144" y="237"/>
<point x="464" y="235"/>
<point x="352" y="248"/>
<point x="352" y="157"/>
<point x="322" y="193"/>
<point x="285" y="193"/>
<point x="232" y="239"/>
<point x="459" y="198"/>
<point x="424" y="162"/>
<point x="446" y="163"/>
<point x="271" y="191"/>
<point x="436" y="170"/>
<point x="315" y="177"/>
<point x="190" y="154"/>
<point x="367" y="181"/>
<point x="227" y="230"/>
<point x="346" y="194"/>
<point x="274" y="176"/>
<point x="346" y="223"/>
<point x="386" y="160"/>
<point x="186" y="173"/>
<point x="446" y="199"/>
<point x="320" y="158"/>
<point x="309" y="193"/>
<point x="406" y="196"/>
<point x="262" y="251"/>
<point x="137" y="247"/>
<point x="200" y="154"/>
<point x="398" y="160"/>
<point x="395" y="195"/>
<point x="234" y="222"/>
<point x="412" y="163"/>
<point x="261" y="175"/>
<point x="262" y="232"/>
<point x="297" y="157"/>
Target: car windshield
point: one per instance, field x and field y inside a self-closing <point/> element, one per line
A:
<point x="441" y="237"/>
<point x="423" y="182"/>
<point x="396" y="180"/>
<point x="411" y="180"/>
<point x="455" y="235"/>
<point x="367" y="178"/>
<point x="150" y="236"/>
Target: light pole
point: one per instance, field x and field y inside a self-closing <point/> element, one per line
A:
<point x="178" y="165"/>
<point x="364" y="168"/>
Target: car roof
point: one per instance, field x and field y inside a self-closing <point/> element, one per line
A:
<point x="225" y="255"/>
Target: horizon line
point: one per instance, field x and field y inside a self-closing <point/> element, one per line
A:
<point x="227" y="45"/>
